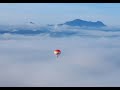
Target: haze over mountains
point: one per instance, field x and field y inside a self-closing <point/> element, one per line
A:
<point x="75" y="27"/>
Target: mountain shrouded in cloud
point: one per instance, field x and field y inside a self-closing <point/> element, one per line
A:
<point x="27" y="58"/>
<point x="81" y="23"/>
<point x="62" y="30"/>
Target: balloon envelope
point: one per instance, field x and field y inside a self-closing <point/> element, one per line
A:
<point x="57" y="52"/>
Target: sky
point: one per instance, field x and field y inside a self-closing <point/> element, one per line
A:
<point x="54" y="13"/>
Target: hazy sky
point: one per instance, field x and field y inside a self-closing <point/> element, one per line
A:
<point x="53" y="13"/>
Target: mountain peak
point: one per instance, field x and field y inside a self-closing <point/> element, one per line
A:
<point x="77" y="20"/>
<point x="80" y="22"/>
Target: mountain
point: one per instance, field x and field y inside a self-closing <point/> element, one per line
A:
<point x="83" y="23"/>
<point x="54" y="30"/>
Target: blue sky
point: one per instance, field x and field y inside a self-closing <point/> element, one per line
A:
<point x="53" y="13"/>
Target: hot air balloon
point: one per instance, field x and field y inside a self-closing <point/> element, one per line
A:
<point x="57" y="52"/>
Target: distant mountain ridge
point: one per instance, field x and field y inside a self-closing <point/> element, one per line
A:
<point x="83" y="23"/>
<point x="57" y="30"/>
<point x="83" y="29"/>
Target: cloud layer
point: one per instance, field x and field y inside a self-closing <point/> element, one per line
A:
<point x="83" y="62"/>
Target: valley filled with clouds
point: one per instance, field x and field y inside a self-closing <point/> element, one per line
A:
<point x="88" y="58"/>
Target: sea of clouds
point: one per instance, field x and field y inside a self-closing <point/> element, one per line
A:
<point x="88" y="58"/>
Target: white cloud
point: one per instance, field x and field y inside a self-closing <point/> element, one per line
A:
<point x="83" y="62"/>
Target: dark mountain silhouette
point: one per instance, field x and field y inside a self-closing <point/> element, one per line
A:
<point x="83" y="23"/>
